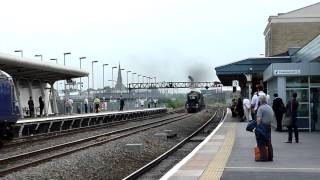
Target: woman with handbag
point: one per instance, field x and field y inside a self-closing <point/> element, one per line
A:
<point x="292" y="113"/>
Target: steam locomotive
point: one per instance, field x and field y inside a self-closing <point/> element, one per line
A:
<point x="195" y="102"/>
<point x="9" y="107"/>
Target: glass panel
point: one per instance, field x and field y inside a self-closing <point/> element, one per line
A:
<point x="314" y="80"/>
<point x="303" y="123"/>
<point x="303" y="95"/>
<point x="303" y="110"/>
<point x="297" y="82"/>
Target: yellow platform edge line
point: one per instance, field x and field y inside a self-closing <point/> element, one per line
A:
<point x="216" y="167"/>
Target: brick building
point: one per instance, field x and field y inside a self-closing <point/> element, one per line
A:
<point x="293" y="29"/>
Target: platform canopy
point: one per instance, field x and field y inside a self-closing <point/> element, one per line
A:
<point x="255" y="66"/>
<point x="35" y="69"/>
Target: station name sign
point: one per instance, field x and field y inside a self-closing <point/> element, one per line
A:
<point x="287" y="72"/>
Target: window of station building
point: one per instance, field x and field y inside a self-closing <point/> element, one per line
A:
<point x="297" y="82"/>
<point x="302" y="95"/>
<point x="315" y="81"/>
<point x="303" y="99"/>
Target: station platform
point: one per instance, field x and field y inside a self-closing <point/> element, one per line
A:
<point x="228" y="153"/>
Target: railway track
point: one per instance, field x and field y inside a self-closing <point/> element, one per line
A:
<point x="21" y="161"/>
<point x="41" y="137"/>
<point x="163" y="156"/>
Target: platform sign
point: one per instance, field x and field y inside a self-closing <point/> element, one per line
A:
<point x="235" y="83"/>
<point x="287" y="72"/>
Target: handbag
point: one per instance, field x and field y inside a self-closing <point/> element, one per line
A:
<point x="286" y="121"/>
<point x="251" y="125"/>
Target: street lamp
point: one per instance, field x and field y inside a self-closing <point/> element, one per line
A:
<point x="103" y="65"/>
<point x="128" y="79"/>
<point x="80" y="58"/>
<point x="20" y="51"/>
<point x="38" y="55"/>
<point x="93" y="74"/>
<point x="138" y="77"/>
<point x="64" y="57"/>
<point x="112" y="75"/>
<point x="55" y="59"/>
<point x="155" y="79"/>
<point x="132" y="80"/>
<point x="64" y="63"/>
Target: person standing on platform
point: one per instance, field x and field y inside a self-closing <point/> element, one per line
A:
<point x="264" y="119"/>
<point x="121" y="104"/>
<point x="41" y="103"/>
<point x="70" y="105"/>
<point x="292" y="109"/>
<point x="96" y="103"/>
<point x="239" y="109"/>
<point x="31" y="107"/>
<point x="255" y="100"/>
<point x="86" y="102"/>
<point x="279" y="110"/>
<point x="247" y="109"/>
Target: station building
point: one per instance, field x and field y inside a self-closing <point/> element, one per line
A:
<point x="36" y="78"/>
<point x="292" y="63"/>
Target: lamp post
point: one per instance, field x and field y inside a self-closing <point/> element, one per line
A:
<point x="112" y="75"/>
<point x="55" y="59"/>
<point x="155" y="79"/>
<point x="20" y="51"/>
<point x="103" y="65"/>
<point x="38" y="55"/>
<point x="80" y="58"/>
<point x="93" y="74"/>
<point x="64" y="63"/>
<point x="128" y="78"/>
<point x="64" y="57"/>
<point x="132" y="80"/>
<point x="121" y="85"/>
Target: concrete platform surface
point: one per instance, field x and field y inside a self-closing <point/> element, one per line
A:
<point x="228" y="153"/>
<point x="291" y="161"/>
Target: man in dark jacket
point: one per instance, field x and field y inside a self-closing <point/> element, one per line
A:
<point x="121" y="104"/>
<point x="41" y="104"/>
<point x="31" y="107"/>
<point x="279" y="110"/>
<point x="292" y="108"/>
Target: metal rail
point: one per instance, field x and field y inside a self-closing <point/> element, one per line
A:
<point x="156" y="161"/>
<point x="158" y="85"/>
<point x="100" y="140"/>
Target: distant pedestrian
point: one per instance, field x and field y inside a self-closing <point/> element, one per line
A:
<point x="278" y="109"/>
<point x="96" y="103"/>
<point x="41" y="103"/>
<point x="239" y="109"/>
<point x="70" y="105"/>
<point x="31" y="107"/>
<point x="67" y="106"/>
<point x="263" y="129"/>
<point x="292" y="111"/>
<point x="255" y="100"/>
<point x="86" y="102"/>
<point x="247" y="109"/>
<point x="121" y="104"/>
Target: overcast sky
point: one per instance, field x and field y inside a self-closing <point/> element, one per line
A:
<point x="169" y="39"/>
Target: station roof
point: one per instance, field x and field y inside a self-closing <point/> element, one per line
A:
<point x="254" y="66"/>
<point x="41" y="70"/>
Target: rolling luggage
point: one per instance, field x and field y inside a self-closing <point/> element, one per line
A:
<point x="257" y="155"/>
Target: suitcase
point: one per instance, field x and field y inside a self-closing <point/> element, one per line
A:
<point x="257" y="155"/>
